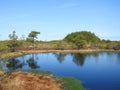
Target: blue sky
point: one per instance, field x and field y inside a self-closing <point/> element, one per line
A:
<point x="56" y="18"/>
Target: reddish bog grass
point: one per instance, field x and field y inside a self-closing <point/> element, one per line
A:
<point x="28" y="81"/>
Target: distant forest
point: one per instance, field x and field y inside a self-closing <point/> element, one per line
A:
<point x="73" y="41"/>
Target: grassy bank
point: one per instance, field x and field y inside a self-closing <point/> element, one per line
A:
<point x="71" y="83"/>
<point x="68" y="83"/>
<point x="19" y="80"/>
<point x="7" y="55"/>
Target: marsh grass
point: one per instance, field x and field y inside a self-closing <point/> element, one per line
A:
<point x="67" y="83"/>
<point x="71" y="83"/>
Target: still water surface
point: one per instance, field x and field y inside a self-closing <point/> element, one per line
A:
<point x="96" y="71"/>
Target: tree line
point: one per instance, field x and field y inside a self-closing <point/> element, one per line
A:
<point x="74" y="40"/>
<point x="14" y="44"/>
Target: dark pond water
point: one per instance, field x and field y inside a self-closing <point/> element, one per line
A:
<point x="97" y="71"/>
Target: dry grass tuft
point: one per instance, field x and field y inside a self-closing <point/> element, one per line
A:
<point x="27" y="81"/>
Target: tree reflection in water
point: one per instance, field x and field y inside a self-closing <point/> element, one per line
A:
<point x="32" y="62"/>
<point x="78" y="58"/>
<point x="60" y="56"/>
<point x="14" y="64"/>
<point x="18" y="63"/>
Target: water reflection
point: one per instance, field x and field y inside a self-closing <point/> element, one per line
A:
<point x="14" y="64"/>
<point x="78" y="58"/>
<point x="18" y="63"/>
<point x="60" y="56"/>
<point x="32" y="62"/>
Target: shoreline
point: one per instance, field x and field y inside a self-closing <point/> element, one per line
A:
<point x="24" y="52"/>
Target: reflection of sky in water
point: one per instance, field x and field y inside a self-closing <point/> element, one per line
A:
<point x="97" y="71"/>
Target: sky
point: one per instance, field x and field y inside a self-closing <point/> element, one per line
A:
<point x="57" y="18"/>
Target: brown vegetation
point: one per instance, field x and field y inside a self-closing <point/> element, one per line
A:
<point x="23" y="52"/>
<point x="28" y="81"/>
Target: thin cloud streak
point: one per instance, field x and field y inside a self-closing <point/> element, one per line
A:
<point x="67" y="5"/>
